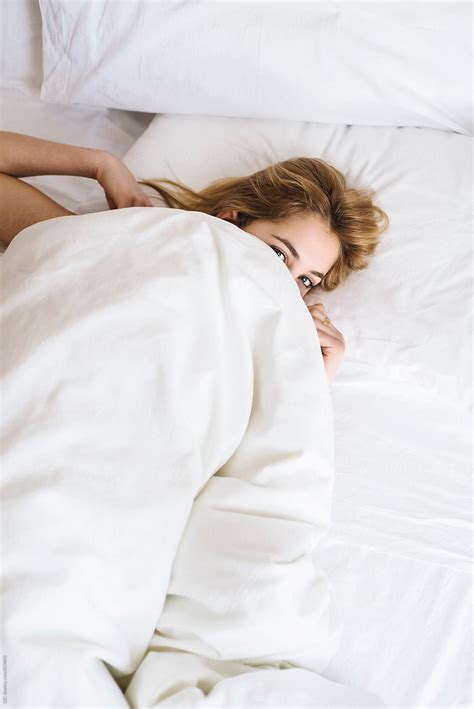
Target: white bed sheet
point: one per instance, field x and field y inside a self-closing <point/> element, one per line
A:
<point x="399" y="548"/>
<point x="398" y="552"/>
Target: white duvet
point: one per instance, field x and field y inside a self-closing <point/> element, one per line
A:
<point x="168" y="464"/>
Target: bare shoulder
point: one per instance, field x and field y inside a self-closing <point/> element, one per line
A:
<point x="22" y="205"/>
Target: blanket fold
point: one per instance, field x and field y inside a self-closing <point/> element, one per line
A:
<point x="167" y="460"/>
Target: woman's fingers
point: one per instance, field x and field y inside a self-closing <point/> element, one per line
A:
<point x="119" y="184"/>
<point x="141" y="202"/>
<point x="330" y="339"/>
<point x="317" y="308"/>
<point x="318" y="313"/>
<point x="326" y="329"/>
<point x="128" y="202"/>
<point x="326" y="335"/>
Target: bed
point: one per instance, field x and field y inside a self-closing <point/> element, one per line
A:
<point x="398" y="550"/>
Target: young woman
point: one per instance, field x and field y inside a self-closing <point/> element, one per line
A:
<point x="302" y="208"/>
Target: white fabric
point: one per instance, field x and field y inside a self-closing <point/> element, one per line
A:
<point x="21" y="55"/>
<point x="144" y="351"/>
<point x="399" y="550"/>
<point x="202" y="684"/>
<point x="422" y="179"/>
<point x="366" y="63"/>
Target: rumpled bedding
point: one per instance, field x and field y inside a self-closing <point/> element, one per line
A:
<point x="168" y="469"/>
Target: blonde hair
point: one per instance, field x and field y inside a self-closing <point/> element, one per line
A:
<point x="297" y="186"/>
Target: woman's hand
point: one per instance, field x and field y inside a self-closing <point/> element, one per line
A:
<point x="331" y="340"/>
<point x="120" y="186"/>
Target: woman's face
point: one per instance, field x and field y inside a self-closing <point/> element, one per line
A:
<point x="303" y="242"/>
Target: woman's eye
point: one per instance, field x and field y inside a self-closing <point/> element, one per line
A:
<point x="279" y="253"/>
<point x="308" y="283"/>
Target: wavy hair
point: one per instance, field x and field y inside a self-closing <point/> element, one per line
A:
<point x="294" y="187"/>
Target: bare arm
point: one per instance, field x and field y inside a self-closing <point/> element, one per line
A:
<point x="26" y="156"/>
<point x="22" y="204"/>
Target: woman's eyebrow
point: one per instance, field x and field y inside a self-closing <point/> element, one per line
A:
<point x="295" y="253"/>
<point x="287" y="243"/>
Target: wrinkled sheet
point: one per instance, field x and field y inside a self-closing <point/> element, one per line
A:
<point x="167" y="429"/>
<point x="399" y="550"/>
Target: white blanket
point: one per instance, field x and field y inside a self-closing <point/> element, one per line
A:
<point x="167" y="429"/>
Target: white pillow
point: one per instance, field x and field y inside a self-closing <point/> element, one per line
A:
<point x="406" y="317"/>
<point x="390" y="63"/>
<point x="20" y="55"/>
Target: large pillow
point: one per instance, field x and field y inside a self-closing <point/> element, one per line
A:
<point x="20" y="55"/>
<point x="405" y="318"/>
<point x="390" y="63"/>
